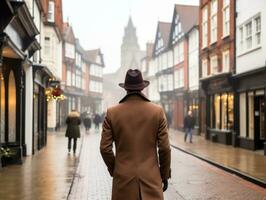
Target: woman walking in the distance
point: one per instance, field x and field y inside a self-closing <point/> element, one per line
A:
<point x="73" y="131"/>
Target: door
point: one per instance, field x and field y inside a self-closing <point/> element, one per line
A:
<point x="259" y="121"/>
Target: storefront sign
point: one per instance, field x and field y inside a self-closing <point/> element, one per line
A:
<point x="219" y="84"/>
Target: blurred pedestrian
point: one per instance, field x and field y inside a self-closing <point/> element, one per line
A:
<point x="189" y="124"/>
<point x="138" y="128"/>
<point x="97" y="120"/>
<point x="169" y="118"/>
<point x="73" y="131"/>
<point x="87" y="121"/>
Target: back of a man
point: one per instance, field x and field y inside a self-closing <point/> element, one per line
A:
<point x="137" y="127"/>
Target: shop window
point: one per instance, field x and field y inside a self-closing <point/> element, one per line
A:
<point x="230" y="121"/>
<point x="243" y="114"/>
<point x="224" y="110"/>
<point x="12" y="101"/>
<point x="2" y="128"/>
<point x="211" y="112"/>
<point x="251" y="115"/>
<point x="223" y="115"/>
<point x="217" y="111"/>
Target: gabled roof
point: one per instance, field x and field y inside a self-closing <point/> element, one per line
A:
<point x="164" y="28"/>
<point x="188" y="15"/>
<point x="68" y="33"/>
<point x="91" y="56"/>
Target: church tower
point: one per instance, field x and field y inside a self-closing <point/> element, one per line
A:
<point x="130" y="50"/>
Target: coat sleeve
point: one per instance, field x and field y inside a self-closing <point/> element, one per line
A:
<point x="164" y="150"/>
<point x="106" y="145"/>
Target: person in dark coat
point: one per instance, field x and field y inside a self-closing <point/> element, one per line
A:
<point x="97" y="120"/>
<point x="189" y="124"/>
<point x="87" y="122"/>
<point x="73" y="131"/>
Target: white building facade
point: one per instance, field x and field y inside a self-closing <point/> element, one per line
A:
<point x="251" y="73"/>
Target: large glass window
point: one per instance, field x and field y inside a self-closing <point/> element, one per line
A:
<point x="12" y="101"/>
<point x="230" y="121"/>
<point x="217" y="110"/>
<point x="223" y="112"/>
<point x="243" y="114"/>
<point x="251" y="115"/>
<point x="2" y="128"/>
<point x="222" y="116"/>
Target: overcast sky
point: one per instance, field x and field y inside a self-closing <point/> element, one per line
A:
<point x="100" y="23"/>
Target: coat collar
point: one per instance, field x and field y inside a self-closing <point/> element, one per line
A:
<point x="130" y="94"/>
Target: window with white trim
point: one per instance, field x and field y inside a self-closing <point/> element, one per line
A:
<point x="214" y="21"/>
<point x="257" y="21"/>
<point x="50" y="17"/>
<point x="241" y="39"/>
<point x="68" y="78"/>
<point x="179" y="78"/>
<point x="204" y="68"/>
<point x="204" y="26"/>
<point x="214" y="65"/>
<point x="73" y="79"/>
<point x="226" y="17"/>
<point x="249" y="34"/>
<point x="248" y="27"/>
<point x="159" y="45"/>
<point x="226" y="61"/>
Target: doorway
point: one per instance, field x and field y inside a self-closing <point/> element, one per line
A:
<point x="259" y="121"/>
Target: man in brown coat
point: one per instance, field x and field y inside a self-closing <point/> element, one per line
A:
<point x="138" y="129"/>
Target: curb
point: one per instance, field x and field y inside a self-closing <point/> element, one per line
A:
<point x="228" y="169"/>
<point x="76" y="168"/>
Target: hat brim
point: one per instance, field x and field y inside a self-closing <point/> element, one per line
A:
<point x="140" y="86"/>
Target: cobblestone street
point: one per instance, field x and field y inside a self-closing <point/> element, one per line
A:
<point x="192" y="179"/>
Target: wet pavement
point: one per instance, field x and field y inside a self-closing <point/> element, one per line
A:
<point x="247" y="162"/>
<point x="45" y="176"/>
<point x="192" y="179"/>
<point x="49" y="176"/>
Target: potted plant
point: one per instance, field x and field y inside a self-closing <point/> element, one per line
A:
<point x="6" y="155"/>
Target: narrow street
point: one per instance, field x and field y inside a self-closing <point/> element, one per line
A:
<point x="192" y="179"/>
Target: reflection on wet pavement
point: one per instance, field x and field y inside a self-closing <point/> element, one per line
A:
<point x="46" y="175"/>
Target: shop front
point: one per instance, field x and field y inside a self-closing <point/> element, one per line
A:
<point x="192" y="102"/>
<point x="167" y="104"/>
<point x="251" y="94"/>
<point x="219" y="108"/>
<point x="17" y="45"/>
<point x="41" y="77"/>
<point x="179" y="109"/>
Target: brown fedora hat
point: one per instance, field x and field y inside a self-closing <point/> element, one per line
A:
<point x="134" y="80"/>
